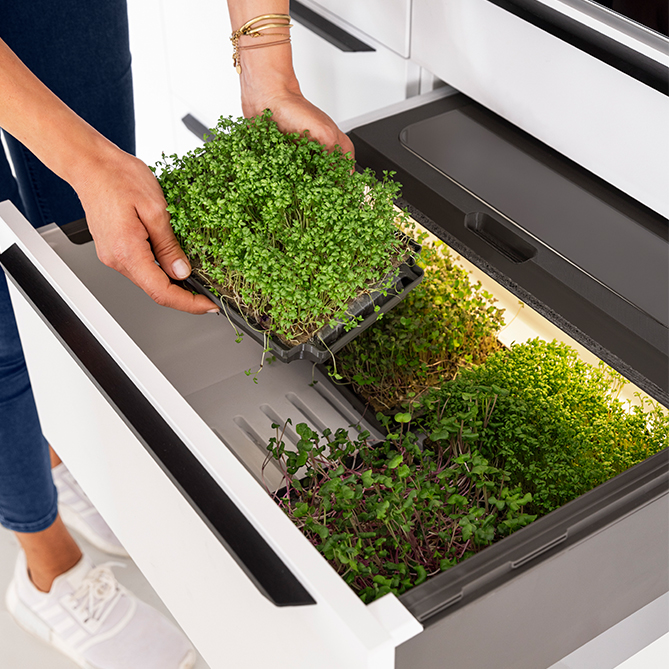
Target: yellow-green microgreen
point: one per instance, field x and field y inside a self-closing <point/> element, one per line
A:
<point x="445" y="323"/>
<point x="557" y="426"/>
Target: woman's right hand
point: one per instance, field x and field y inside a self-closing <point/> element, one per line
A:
<point x="127" y="216"/>
<point x="123" y="201"/>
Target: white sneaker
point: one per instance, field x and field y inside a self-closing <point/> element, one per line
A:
<point x="96" y="622"/>
<point x="79" y="514"/>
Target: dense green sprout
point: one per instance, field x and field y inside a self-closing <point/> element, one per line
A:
<point x="280" y="226"/>
<point x="557" y="425"/>
<point x="445" y="323"/>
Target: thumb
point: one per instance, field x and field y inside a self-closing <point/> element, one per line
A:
<point x="166" y="248"/>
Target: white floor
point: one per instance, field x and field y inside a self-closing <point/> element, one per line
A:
<point x="18" y="649"/>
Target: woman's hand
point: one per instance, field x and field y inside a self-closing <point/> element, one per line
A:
<point x="126" y="214"/>
<point x="123" y="201"/>
<point x="268" y="80"/>
<point x="294" y="113"/>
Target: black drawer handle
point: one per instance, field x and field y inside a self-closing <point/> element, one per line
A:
<point x="326" y="29"/>
<point x="246" y="545"/>
<point x="505" y="241"/>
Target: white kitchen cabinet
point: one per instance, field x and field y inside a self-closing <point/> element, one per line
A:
<point x="164" y="436"/>
<point x="531" y="62"/>
<point x="203" y="81"/>
<point x="154" y="121"/>
<point x="182" y="64"/>
<point x="348" y="84"/>
<point x="386" y="21"/>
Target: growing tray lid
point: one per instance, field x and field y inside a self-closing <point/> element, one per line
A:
<point x="585" y="255"/>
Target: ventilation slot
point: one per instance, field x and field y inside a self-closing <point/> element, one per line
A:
<point x="347" y="414"/>
<point x="272" y="477"/>
<point x="250" y="433"/>
<point x="275" y="418"/>
<point x="314" y="420"/>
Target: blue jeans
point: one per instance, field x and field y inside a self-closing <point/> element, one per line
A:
<point x="80" y="50"/>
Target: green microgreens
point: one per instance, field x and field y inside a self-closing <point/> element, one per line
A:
<point x="280" y="227"/>
<point x="525" y="432"/>
<point x="445" y="323"/>
<point x="388" y="515"/>
<point x="558" y="426"/>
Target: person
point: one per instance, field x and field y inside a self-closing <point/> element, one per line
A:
<point x="66" y="110"/>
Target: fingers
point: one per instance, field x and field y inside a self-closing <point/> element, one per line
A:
<point x="126" y="213"/>
<point x="293" y="113"/>
<point x="138" y="265"/>
<point x="165" y="246"/>
<point x="331" y="136"/>
<point x="346" y="145"/>
<point x="129" y="251"/>
<point x="173" y="262"/>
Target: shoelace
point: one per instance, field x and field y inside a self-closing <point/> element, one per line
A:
<point x="98" y="588"/>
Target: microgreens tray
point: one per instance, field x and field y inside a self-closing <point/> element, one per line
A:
<point x="330" y="338"/>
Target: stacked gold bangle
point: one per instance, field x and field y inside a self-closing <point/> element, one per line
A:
<point x="256" y="28"/>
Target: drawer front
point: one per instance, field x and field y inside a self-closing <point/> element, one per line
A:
<point x="591" y="587"/>
<point x="587" y="109"/>
<point x="230" y="566"/>
<point x="387" y="21"/>
<point x="346" y="84"/>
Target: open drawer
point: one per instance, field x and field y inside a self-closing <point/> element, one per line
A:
<point x="116" y="380"/>
<point x="153" y="413"/>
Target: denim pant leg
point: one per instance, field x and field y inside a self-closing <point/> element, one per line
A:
<point x="80" y="50"/>
<point x="27" y="494"/>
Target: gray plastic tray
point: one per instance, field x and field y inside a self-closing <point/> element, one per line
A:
<point x="331" y="338"/>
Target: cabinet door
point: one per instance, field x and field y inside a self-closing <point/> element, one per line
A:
<point x="239" y="577"/>
<point x="346" y="84"/>
<point x="591" y="91"/>
<point x="182" y="65"/>
<point x="387" y="21"/>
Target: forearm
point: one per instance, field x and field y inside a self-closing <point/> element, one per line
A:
<point x="266" y="73"/>
<point x="31" y="113"/>
<point x="242" y="11"/>
<point x="124" y="205"/>
<point x="267" y="79"/>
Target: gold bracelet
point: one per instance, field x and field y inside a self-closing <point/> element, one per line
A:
<point x="252" y="30"/>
